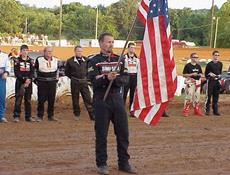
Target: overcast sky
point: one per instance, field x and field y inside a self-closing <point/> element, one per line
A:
<point x="194" y="4"/>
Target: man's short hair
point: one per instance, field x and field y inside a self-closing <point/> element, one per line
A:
<point x="24" y="46"/>
<point x="77" y="46"/>
<point x="47" y="47"/>
<point x="214" y="52"/>
<point x="103" y="35"/>
<point x="192" y="54"/>
<point x="131" y="44"/>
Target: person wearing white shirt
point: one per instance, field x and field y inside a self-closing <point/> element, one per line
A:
<point x="131" y="65"/>
<point x="4" y="72"/>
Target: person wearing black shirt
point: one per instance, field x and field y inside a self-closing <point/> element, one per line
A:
<point x="192" y="73"/>
<point x="212" y="73"/>
<point x="101" y="70"/>
<point x="24" y="72"/>
<point x="76" y="70"/>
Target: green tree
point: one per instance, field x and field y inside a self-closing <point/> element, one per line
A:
<point x="41" y="21"/>
<point x="190" y="25"/>
<point x="10" y="15"/>
<point x="78" y="21"/>
<point x="123" y="13"/>
<point x="223" y="39"/>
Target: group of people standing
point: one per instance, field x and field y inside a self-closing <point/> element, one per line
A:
<point x="100" y="70"/>
<point x="44" y="72"/>
<point x="193" y="79"/>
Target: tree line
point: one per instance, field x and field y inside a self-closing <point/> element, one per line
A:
<point x="79" y="21"/>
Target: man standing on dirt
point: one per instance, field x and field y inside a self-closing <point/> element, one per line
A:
<point x="46" y="68"/>
<point x="24" y="72"/>
<point x="131" y="63"/>
<point x="76" y="70"/>
<point x="193" y="73"/>
<point x="101" y="70"/>
<point x="4" y="72"/>
<point x="212" y="73"/>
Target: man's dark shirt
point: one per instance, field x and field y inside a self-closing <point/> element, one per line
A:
<point x="23" y="69"/>
<point x="98" y="68"/>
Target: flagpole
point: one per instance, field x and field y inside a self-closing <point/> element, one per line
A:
<point x="121" y="56"/>
<point x="216" y="32"/>
<point x="60" y="23"/>
<point x="212" y="15"/>
<point x="96" y="22"/>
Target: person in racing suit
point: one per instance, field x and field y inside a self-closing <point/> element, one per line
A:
<point x="102" y="70"/>
<point x="192" y="73"/>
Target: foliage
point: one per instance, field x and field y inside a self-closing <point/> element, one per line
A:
<point x="80" y="21"/>
<point x="10" y="14"/>
<point x="223" y="39"/>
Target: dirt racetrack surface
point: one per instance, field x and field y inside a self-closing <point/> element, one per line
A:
<point x="175" y="146"/>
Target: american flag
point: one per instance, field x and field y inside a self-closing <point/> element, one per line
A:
<point x="156" y="78"/>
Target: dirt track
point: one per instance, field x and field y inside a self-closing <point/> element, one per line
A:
<point x="176" y="146"/>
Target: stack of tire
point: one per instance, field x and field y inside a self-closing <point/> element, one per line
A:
<point x="63" y="88"/>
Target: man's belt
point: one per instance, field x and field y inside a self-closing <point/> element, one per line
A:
<point x="132" y="74"/>
<point x="47" y="79"/>
<point x="84" y="80"/>
<point x="217" y="78"/>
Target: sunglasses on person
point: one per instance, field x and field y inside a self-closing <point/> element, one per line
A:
<point x="217" y="55"/>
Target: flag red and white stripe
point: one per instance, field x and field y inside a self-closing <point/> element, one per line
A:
<point x="156" y="78"/>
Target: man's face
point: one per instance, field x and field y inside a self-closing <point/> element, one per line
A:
<point x="107" y="44"/>
<point x="48" y="52"/>
<point x="194" y="58"/>
<point x="24" y="52"/>
<point x="78" y="52"/>
<point x="216" y="56"/>
<point x="131" y="49"/>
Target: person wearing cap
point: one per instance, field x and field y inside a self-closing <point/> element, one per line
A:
<point x="24" y="73"/>
<point x="4" y="72"/>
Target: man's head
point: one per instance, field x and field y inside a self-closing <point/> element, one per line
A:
<point x="78" y="51"/>
<point x="194" y="57"/>
<point x="24" y="50"/>
<point x="106" y="42"/>
<point x="215" y="56"/>
<point x="48" y="52"/>
<point x="131" y="48"/>
<point x="13" y="52"/>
